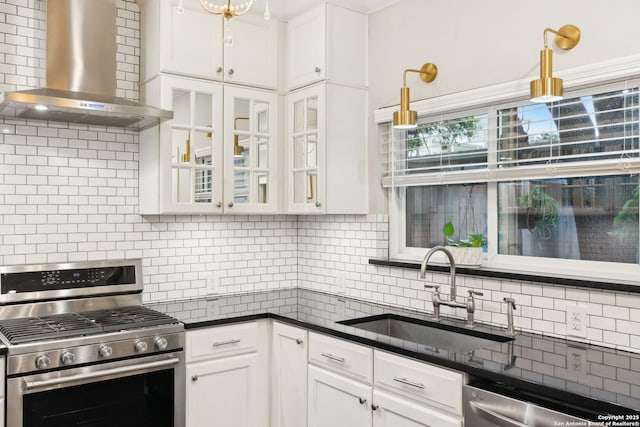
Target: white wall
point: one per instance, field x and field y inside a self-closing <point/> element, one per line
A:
<point x="482" y="43"/>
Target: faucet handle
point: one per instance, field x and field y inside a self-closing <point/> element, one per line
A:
<point x="510" y="301"/>
<point x="474" y="292"/>
<point x="436" y="287"/>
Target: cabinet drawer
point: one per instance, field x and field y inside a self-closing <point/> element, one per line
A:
<point x="222" y="341"/>
<point x="427" y="383"/>
<point x="352" y="360"/>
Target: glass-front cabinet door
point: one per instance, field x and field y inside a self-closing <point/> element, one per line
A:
<point x="193" y="169"/>
<point x="305" y="172"/>
<point x="250" y="150"/>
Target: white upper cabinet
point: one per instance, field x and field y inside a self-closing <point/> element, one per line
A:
<point x="252" y="57"/>
<point x="327" y="150"/>
<point x="226" y="150"/>
<point x="250" y="151"/>
<point x="181" y="160"/>
<point x="207" y="161"/>
<point x="192" y="44"/>
<point x="306" y="56"/>
<point x="329" y="43"/>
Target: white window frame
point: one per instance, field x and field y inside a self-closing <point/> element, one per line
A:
<point x="594" y="79"/>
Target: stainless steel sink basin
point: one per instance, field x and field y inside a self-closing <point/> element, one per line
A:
<point x="432" y="334"/>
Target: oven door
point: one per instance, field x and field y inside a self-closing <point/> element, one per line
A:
<point x="140" y="392"/>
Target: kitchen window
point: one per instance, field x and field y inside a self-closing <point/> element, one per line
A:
<point x="538" y="182"/>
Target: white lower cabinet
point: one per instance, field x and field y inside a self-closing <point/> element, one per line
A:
<point x="337" y="401"/>
<point x="227" y="392"/>
<point x="395" y="411"/>
<point x="227" y="376"/>
<point x="410" y="379"/>
<point x="410" y="393"/>
<point x="352" y="385"/>
<point x="289" y="376"/>
<point x="270" y="374"/>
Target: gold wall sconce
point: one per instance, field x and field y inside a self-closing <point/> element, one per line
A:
<point x="186" y="157"/>
<point x="548" y="88"/>
<point x="406" y="118"/>
<point x="237" y="149"/>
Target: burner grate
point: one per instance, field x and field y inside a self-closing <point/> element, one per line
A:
<point x="29" y="329"/>
<point x="128" y="318"/>
<point x="37" y="328"/>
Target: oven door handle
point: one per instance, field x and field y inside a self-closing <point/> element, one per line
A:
<point x="31" y="385"/>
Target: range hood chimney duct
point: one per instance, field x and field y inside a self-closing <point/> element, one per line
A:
<point x="81" y="72"/>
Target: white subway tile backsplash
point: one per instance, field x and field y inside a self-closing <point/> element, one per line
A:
<point x="604" y="298"/>
<point x="615" y="338"/>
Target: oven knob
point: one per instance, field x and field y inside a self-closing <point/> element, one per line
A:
<point x="67" y="357"/>
<point x="43" y="361"/>
<point x="161" y="343"/>
<point x="105" y="351"/>
<point x="140" y="347"/>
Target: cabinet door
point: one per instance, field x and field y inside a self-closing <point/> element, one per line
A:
<point x="191" y="146"/>
<point x="190" y="42"/>
<point x="393" y="411"/>
<point x="289" y="379"/>
<point x="306" y="151"/>
<point x="337" y="401"/>
<point x="229" y="392"/>
<point x="307" y="47"/>
<point x="251" y="58"/>
<point x="250" y="150"/>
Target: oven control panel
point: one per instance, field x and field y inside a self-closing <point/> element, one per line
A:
<point x="48" y="280"/>
<point x="40" y="282"/>
<point x="91" y="353"/>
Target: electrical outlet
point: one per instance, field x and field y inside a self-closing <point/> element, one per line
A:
<point x="576" y="321"/>
<point x="213" y="283"/>
<point x="577" y="363"/>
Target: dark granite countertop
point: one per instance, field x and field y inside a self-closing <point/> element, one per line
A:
<point x="533" y="364"/>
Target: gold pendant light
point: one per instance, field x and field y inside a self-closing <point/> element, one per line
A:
<point x="548" y="88"/>
<point x="226" y="8"/>
<point x="406" y="118"/>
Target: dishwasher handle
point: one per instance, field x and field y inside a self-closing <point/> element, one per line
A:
<point x="488" y="414"/>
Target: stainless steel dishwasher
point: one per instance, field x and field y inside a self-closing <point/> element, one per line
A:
<point x="483" y="408"/>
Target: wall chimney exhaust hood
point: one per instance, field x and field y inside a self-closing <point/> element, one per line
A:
<point x="81" y="72"/>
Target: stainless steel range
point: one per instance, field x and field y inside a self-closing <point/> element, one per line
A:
<point x="83" y="351"/>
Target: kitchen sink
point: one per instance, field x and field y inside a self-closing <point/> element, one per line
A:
<point x="432" y="334"/>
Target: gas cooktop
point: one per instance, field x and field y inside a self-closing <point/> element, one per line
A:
<point x="64" y="325"/>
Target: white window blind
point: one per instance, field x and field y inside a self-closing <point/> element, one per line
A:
<point x="597" y="134"/>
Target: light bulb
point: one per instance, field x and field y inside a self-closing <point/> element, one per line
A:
<point x="267" y="12"/>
